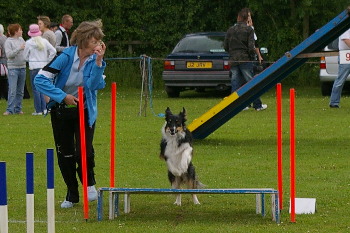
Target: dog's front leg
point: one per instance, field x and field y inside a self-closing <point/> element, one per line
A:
<point x="178" y="200"/>
<point x="195" y="199"/>
<point x="176" y="185"/>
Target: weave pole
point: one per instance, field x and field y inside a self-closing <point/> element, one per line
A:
<point x="50" y="191"/>
<point x="279" y="144"/>
<point x="83" y="150"/>
<point x="292" y="155"/>
<point x="113" y="137"/>
<point x="4" y="227"/>
<point x="30" y="191"/>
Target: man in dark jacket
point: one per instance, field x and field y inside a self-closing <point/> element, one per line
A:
<point x="240" y="44"/>
<point x="62" y="38"/>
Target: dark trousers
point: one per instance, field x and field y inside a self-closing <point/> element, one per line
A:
<point x="4" y="87"/>
<point x="66" y="132"/>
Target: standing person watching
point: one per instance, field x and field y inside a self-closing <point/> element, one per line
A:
<point x="240" y="44"/>
<point x="38" y="52"/>
<point x="343" y="72"/>
<point x="54" y="26"/>
<point x="79" y="65"/>
<point x="3" y="63"/>
<point x="62" y="38"/>
<point x="14" y="47"/>
<point x="44" y="23"/>
<point x="251" y="24"/>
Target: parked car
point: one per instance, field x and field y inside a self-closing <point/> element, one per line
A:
<point x="329" y="70"/>
<point x="198" y="61"/>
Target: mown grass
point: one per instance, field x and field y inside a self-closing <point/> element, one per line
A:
<point x="240" y="154"/>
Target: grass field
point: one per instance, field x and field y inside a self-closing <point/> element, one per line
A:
<point x="240" y="154"/>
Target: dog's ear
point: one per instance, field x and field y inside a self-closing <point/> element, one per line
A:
<point x="167" y="112"/>
<point x="183" y="114"/>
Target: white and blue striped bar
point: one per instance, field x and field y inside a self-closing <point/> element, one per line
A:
<point x="50" y="191"/>
<point x="114" y="205"/>
<point x="3" y="199"/>
<point x="30" y="191"/>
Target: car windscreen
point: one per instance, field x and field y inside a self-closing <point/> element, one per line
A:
<point x="200" y="44"/>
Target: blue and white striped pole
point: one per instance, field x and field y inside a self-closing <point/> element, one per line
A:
<point x="30" y="191"/>
<point x="50" y="191"/>
<point x="3" y="199"/>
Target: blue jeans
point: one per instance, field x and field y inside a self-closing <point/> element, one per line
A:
<point x="16" y="80"/>
<point x="241" y="74"/>
<point x="39" y="100"/>
<point x="343" y="73"/>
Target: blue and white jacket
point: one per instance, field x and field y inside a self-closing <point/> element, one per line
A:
<point x="52" y="78"/>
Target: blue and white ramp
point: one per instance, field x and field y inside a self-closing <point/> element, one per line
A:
<point x="261" y="83"/>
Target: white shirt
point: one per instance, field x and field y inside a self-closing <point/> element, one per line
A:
<point x="342" y="44"/>
<point x="59" y="38"/>
<point x="75" y="78"/>
<point x="37" y="58"/>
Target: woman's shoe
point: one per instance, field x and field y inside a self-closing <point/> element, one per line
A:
<point x="67" y="204"/>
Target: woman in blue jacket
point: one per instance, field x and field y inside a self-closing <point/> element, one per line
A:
<point x="79" y="65"/>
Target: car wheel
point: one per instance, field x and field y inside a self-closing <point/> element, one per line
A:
<point x="172" y="92"/>
<point x="326" y="88"/>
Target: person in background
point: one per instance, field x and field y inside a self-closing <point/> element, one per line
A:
<point x="251" y="24"/>
<point x="3" y="63"/>
<point x="78" y="65"/>
<point x="343" y="72"/>
<point x="240" y="44"/>
<point x="54" y="26"/>
<point x="62" y="38"/>
<point x="38" y="52"/>
<point x="14" y="48"/>
<point x="258" y="59"/>
<point x="44" y="25"/>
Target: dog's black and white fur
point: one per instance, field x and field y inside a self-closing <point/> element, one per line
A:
<point x="176" y="149"/>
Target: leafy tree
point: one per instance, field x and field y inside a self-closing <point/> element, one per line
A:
<point x="280" y="24"/>
<point x="283" y="24"/>
<point x="159" y="24"/>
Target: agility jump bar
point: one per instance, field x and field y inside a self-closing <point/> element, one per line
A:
<point x="114" y="198"/>
<point x="261" y="83"/>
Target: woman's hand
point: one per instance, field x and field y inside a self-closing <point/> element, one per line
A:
<point x="71" y="100"/>
<point x="100" y="52"/>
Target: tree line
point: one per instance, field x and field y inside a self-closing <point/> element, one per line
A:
<point x="153" y="27"/>
<point x="159" y="24"/>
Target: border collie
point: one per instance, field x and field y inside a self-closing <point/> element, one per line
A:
<point x="176" y="149"/>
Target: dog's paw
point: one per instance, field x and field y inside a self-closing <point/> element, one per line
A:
<point x="195" y="200"/>
<point x="178" y="203"/>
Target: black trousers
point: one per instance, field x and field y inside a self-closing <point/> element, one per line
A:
<point x="4" y="87"/>
<point x="66" y="132"/>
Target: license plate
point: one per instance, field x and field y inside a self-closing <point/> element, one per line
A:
<point x="199" y="65"/>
